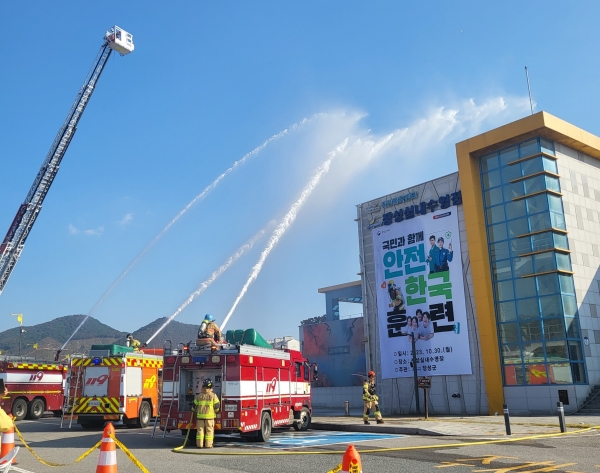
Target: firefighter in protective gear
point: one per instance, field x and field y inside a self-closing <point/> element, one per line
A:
<point x="209" y="332"/>
<point x="133" y="343"/>
<point x="371" y="400"/>
<point x="207" y="406"/>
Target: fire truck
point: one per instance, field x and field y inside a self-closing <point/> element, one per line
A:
<point x="33" y="386"/>
<point x="259" y="388"/>
<point x="112" y="382"/>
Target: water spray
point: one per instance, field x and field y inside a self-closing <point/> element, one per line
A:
<point x="284" y="225"/>
<point x="212" y="278"/>
<point x="210" y="187"/>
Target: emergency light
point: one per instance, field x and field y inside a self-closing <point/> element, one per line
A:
<point x="96" y="361"/>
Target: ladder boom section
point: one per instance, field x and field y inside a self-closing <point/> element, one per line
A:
<point x="13" y="243"/>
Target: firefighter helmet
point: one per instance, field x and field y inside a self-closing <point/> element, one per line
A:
<point x="207" y="383"/>
<point x="129" y="336"/>
<point x="209" y="317"/>
<point x="371" y="374"/>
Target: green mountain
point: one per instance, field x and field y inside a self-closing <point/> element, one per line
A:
<point x="49" y="336"/>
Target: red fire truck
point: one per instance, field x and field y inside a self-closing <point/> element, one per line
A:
<point x="259" y="388"/>
<point x="33" y="386"/>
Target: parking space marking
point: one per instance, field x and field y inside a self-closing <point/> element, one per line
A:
<point x="293" y="440"/>
<point x="526" y="467"/>
<point x="484" y="461"/>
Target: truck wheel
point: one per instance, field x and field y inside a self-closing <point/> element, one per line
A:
<point x="36" y="409"/>
<point x="144" y="415"/>
<point x="19" y="409"/>
<point x="304" y="416"/>
<point x="264" y="434"/>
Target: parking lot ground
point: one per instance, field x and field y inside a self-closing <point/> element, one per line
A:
<point x="294" y="451"/>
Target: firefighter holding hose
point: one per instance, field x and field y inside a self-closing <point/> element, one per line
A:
<point x="133" y="343"/>
<point x="209" y="332"/>
<point x="371" y="400"/>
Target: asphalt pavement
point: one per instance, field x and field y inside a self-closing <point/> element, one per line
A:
<point x="321" y="450"/>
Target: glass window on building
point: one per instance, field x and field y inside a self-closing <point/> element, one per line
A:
<point x="534" y="294"/>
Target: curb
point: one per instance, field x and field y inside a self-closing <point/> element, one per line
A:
<point x="388" y="429"/>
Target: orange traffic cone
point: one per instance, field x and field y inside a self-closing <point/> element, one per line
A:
<point x="351" y="461"/>
<point x="107" y="463"/>
<point x="8" y="442"/>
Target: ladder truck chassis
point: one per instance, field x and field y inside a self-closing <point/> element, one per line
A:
<point x="259" y="389"/>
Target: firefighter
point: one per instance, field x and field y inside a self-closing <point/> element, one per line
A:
<point x="371" y="400"/>
<point x="209" y="332"/>
<point x="133" y="343"/>
<point x="207" y="406"/>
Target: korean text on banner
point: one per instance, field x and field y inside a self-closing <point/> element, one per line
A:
<point x="420" y="295"/>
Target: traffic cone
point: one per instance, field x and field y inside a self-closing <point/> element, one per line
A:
<point x="107" y="463"/>
<point x="8" y="442"/>
<point x="351" y="461"/>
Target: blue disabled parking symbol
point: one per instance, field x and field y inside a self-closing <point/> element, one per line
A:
<point x="313" y="439"/>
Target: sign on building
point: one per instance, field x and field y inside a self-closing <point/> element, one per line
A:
<point x="420" y="295"/>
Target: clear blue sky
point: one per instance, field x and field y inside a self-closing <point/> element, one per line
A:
<point x="209" y="82"/>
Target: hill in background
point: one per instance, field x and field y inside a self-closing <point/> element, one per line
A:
<point x="50" y="336"/>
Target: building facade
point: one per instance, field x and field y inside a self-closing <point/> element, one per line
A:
<point x="527" y="200"/>
<point x="336" y="343"/>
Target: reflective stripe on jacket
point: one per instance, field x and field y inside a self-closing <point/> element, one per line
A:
<point x="207" y="403"/>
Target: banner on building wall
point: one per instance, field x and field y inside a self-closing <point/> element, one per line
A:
<point x="420" y="295"/>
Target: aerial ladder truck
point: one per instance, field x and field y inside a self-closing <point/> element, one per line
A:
<point x="116" y="39"/>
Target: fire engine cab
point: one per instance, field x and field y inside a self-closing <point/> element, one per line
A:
<point x="112" y="382"/>
<point x="259" y="387"/>
<point x="33" y="386"/>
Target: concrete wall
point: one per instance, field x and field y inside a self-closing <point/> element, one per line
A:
<point x="397" y="395"/>
<point x="580" y="183"/>
<point x="333" y="398"/>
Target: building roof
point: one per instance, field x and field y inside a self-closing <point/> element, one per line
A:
<point x="323" y="290"/>
<point x="540" y="124"/>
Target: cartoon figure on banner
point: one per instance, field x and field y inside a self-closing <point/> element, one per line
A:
<point x="396" y="297"/>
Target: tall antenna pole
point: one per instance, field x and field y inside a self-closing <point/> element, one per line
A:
<point x="529" y="89"/>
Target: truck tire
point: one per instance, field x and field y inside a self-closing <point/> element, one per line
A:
<point x="19" y="409"/>
<point x="304" y="416"/>
<point x="264" y="434"/>
<point x="36" y="409"/>
<point x="144" y="415"/>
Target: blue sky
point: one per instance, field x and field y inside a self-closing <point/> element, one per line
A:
<point x="398" y="82"/>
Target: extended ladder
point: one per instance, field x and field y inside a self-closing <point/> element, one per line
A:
<point x="14" y="241"/>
